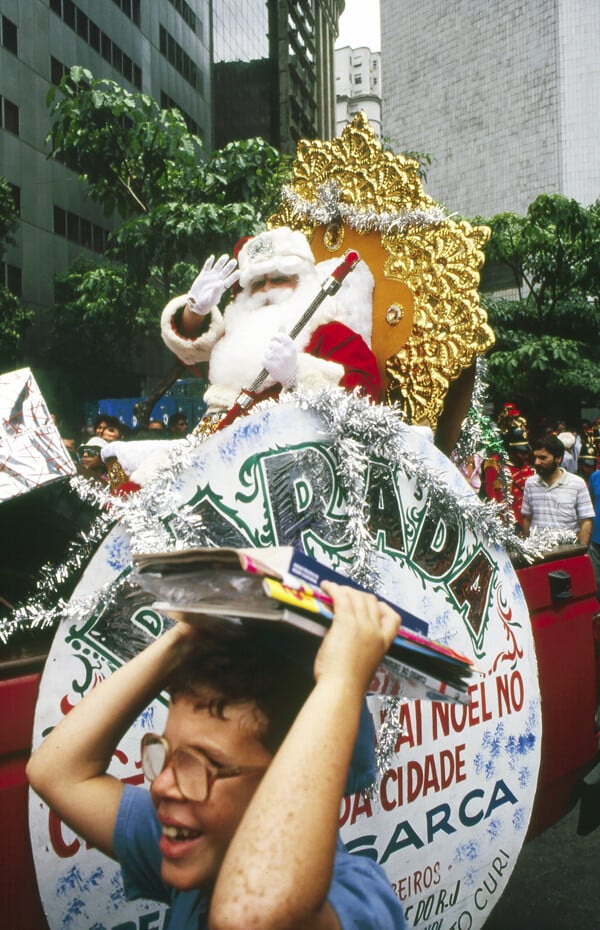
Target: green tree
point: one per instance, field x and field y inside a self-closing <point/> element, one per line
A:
<point x="171" y="205"/>
<point x="547" y="352"/>
<point x="14" y="317"/>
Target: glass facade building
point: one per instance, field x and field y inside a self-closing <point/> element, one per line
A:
<point x="273" y="70"/>
<point x="234" y="68"/>
<point x="161" y="48"/>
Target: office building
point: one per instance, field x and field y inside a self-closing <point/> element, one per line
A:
<point x="357" y="86"/>
<point x="273" y="71"/>
<point x="505" y="96"/>
<point x="274" y="76"/>
<point x="161" y="49"/>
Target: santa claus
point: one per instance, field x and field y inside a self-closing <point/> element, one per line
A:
<point x="277" y="280"/>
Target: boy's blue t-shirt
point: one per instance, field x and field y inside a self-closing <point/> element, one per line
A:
<point x="360" y="893"/>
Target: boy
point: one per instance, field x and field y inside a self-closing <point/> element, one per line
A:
<point x="240" y="828"/>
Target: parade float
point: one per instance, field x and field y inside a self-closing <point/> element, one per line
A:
<point x="460" y="786"/>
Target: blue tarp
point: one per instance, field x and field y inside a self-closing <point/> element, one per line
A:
<point x="184" y="397"/>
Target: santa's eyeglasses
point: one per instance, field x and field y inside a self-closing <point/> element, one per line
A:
<point x="194" y="773"/>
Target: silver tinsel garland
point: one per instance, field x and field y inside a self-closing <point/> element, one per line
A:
<point x="481" y="436"/>
<point x="330" y="207"/>
<point x="357" y="428"/>
<point x="378" y="431"/>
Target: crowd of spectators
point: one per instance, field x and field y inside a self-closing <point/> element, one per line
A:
<point x="86" y="452"/>
<point x="549" y="482"/>
<point x="557" y="474"/>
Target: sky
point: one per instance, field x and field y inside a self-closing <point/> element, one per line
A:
<point x="359" y="25"/>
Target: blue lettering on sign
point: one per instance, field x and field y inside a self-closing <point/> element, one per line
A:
<point x="470" y="812"/>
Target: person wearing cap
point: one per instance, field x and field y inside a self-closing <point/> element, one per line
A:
<point x="90" y="464"/>
<point x="587" y="460"/>
<point x="500" y="477"/>
<point x="276" y="279"/>
<point x="519" y="466"/>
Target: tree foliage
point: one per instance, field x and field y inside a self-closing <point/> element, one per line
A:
<point x="14" y="317"/>
<point x="547" y="352"/>
<point x="171" y="204"/>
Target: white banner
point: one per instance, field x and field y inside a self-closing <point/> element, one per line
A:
<point x="31" y="450"/>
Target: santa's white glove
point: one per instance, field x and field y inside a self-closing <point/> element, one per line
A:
<point x="281" y="360"/>
<point x="211" y="284"/>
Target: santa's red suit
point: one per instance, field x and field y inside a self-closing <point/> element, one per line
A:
<point x="332" y="348"/>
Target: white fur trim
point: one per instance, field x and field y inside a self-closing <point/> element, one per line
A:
<point x="355" y="297"/>
<point x="152" y="462"/>
<point x="140" y="460"/>
<point x="424" y="430"/>
<point x="131" y="454"/>
<point x="190" y="351"/>
<point x="220" y="397"/>
<point x="315" y="373"/>
<point x="282" y="250"/>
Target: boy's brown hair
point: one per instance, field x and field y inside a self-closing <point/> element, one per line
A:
<point x="236" y="666"/>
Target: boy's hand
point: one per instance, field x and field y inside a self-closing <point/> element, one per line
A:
<point x="362" y="631"/>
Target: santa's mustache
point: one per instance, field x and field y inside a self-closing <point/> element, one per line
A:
<point x="276" y="295"/>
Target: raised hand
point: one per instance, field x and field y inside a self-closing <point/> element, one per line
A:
<point x="362" y="631"/>
<point x="211" y="283"/>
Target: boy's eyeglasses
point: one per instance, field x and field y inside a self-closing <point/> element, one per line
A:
<point x="194" y="773"/>
<point x="89" y="450"/>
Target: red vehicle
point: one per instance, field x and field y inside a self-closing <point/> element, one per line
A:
<point x="565" y="615"/>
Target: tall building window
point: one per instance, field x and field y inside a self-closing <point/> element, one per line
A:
<point x="89" y="31"/>
<point x="131" y="9"/>
<point x="167" y="103"/>
<point x="9" y="116"/>
<point x="77" y="229"/>
<point x="180" y="60"/>
<point x="57" y="70"/>
<point x="11" y="277"/>
<point x="9" y="35"/>
<point x="187" y="15"/>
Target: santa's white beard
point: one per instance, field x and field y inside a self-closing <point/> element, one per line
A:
<point x="251" y="321"/>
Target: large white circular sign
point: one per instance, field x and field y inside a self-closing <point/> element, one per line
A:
<point x="450" y="810"/>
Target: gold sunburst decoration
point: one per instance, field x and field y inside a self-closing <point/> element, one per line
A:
<point x="428" y="324"/>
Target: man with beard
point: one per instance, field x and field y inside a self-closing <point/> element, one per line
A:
<point x="554" y="498"/>
<point x="277" y="282"/>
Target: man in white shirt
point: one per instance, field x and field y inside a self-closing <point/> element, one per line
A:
<point x="553" y="498"/>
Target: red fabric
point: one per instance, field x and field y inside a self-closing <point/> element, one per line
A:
<point x="336" y="342"/>
<point x="519" y="475"/>
<point x="492" y="482"/>
<point x="127" y="487"/>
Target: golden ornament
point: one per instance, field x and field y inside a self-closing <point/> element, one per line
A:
<point x="428" y="324"/>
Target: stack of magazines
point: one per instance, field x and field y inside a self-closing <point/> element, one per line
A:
<point x="282" y="585"/>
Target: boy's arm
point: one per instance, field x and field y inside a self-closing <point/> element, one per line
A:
<point x="277" y="871"/>
<point x="68" y="770"/>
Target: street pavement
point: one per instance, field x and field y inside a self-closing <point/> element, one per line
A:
<point x="555" y="884"/>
